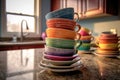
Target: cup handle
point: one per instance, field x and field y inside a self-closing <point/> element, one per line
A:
<point x="118" y="38"/>
<point x="77" y="45"/>
<point x="97" y="42"/>
<point x="77" y="18"/>
<point x="92" y="38"/>
<point x="79" y="27"/>
<point x="77" y="36"/>
<point x="118" y="44"/>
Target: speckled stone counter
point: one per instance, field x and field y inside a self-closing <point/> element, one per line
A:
<point x="23" y="65"/>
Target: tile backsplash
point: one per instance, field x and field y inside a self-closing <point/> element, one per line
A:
<point x="106" y="26"/>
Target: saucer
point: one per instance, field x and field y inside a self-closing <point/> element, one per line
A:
<point x="82" y="51"/>
<point x="62" y="63"/>
<point x="61" y="70"/>
<point x="49" y="65"/>
<point x="105" y="55"/>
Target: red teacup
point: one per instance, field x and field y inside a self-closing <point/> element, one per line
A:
<point x="108" y="37"/>
<point x="83" y="33"/>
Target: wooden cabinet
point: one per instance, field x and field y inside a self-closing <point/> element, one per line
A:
<point x="84" y="8"/>
<point x="92" y="7"/>
<point x="88" y="8"/>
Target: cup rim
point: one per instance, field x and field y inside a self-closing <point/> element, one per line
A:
<point x="60" y="19"/>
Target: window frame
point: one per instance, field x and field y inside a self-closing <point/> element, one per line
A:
<point x="37" y="17"/>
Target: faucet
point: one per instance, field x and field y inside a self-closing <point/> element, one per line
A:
<point x="22" y="33"/>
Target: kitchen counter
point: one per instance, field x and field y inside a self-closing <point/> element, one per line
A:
<point x="10" y="45"/>
<point x="23" y="65"/>
<point x="21" y="43"/>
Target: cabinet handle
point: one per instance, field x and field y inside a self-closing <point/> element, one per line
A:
<point x="76" y="18"/>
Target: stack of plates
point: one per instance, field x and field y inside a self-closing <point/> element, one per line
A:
<point x="55" y="68"/>
<point x="60" y="64"/>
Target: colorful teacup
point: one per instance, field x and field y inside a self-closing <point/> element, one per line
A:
<point x="59" y="58"/>
<point x="62" y="43"/>
<point x="89" y="37"/>
<point x="108" y="41"/>
<point x="107" y="38"/>
<point x="59" y="51"/>
<point x="108" y="45"/>
<point x="62" y="33"/>
<point x="108" y="35"/>
<point x="86" y="41"/>
<point x="67" y="13"/>
<point x="63" y="23"/>
<point x="83" y="33"/>
<point x="84" y="47"/>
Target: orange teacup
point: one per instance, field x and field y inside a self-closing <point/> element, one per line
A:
<point x="89" y="37"/>
<point x="62" y="33"/>
<point x="108" y="41"/>
<point x="63" y="23"/>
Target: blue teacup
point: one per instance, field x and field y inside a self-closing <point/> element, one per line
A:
<point x="67" y="13"/>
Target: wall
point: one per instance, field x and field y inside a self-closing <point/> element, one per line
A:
<point x="107" y="25"/>
<point x="45" y="9"/>
<point x="97" y="25"/>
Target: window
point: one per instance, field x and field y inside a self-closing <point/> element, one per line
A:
<point x="14" y="11"/>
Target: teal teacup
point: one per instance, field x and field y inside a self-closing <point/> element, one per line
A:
<point x="84" y="47"/>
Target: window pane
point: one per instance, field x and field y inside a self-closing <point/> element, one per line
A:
<point x="14" y="23"/>
<point x="20" y="6"/>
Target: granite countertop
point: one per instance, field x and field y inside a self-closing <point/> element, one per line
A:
<point x="23" y="65"/>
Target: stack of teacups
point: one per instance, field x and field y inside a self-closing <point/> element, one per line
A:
<point x="108" y="44"/>
<point x="60" y="40"/>
<point x="86" y="39"/>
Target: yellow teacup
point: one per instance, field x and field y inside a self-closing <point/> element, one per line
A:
<point x="108" y="46"/>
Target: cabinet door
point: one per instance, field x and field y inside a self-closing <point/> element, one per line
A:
<point x="70" y="3"/>
<point x="76" y="4"/>
<point x="92" y="7"/>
